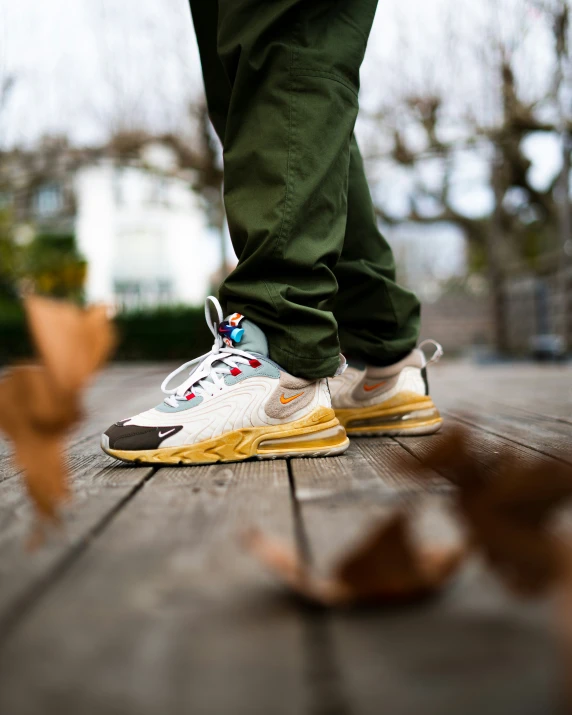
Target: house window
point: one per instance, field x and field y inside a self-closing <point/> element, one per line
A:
<point x="118" y="192"/>
<point x="5" y="200"/>
<point x="138" y="294"/>
<point x="48" y="200"/>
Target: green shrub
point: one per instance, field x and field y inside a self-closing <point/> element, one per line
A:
<point x="163" y="334"/>
<point x="178" y="333"/>
<point x="15" y="342"/>
<point x="55" y="267"/>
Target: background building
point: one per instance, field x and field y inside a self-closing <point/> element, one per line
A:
<point x="137" y="222"/>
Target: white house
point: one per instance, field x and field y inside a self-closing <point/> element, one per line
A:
<point x="143" y="234"/>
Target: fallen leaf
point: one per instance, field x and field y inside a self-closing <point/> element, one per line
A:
<point x="389" y="564"/>
<point x="508" y="507"/>
<point x="39" y="403"/>
<point x="72" y="342"/>
<point x="35" y="419"/>
<point x="386" y="567"/>
<point x="563" y="620"/>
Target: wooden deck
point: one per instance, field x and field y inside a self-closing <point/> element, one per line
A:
<point x="148" y="605"/>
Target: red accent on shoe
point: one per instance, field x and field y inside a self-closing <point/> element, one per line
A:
<point x="254" y="363"/>
<point x="235" y="371"/>
<point x="190" y="395"/>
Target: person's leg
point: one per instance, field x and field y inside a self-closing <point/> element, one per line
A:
<point x="218" y="89"/>
<point x="293" y="71"/>
<point x="385" y="390"/>
<point x="378" y="320"/>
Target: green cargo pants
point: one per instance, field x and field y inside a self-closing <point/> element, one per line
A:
<point x="314" y="272"/>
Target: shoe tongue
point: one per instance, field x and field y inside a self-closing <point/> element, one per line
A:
<point x="240" y="333"/>
<point x="253" y="340"/>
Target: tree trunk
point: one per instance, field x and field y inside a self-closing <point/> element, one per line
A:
<point x="494" y="240"/>
<point x="565" y="236"/>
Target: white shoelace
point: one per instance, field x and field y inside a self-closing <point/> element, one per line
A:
<point x="437" y="355"/>
<point x="207" y="378"/>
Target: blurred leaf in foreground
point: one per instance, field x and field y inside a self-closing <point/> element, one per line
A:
<point x="39" y="403"/>
<point x="387" y="567"/>
<point x="508" y="506"/>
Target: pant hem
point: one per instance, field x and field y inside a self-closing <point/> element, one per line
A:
<point x="307" y="368"/>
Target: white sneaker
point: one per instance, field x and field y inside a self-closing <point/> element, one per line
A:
<point x="235" y="404"/>
<point x="390" y="400"/>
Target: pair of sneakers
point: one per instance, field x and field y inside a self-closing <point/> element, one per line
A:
<point x="236" y="403"/>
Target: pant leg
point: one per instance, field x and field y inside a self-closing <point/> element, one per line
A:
<point x="217" y="85"/>
<point x="293" y="70"/>
<point x="378" y="321"/>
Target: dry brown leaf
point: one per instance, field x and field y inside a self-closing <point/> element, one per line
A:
<point x="508" y="509"/>
<point x="387" y="567"/>
<point x="72" y="343"/>
<point x="35" y="418"/>
<point x="563" y="620"/>
<point x="388" y="563"/>
<point x="29" y="396"/>
<point x="39" y="403"/>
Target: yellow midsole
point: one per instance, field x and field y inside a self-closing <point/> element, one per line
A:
<point x="380" y="416"/>
<point x="402" y="427"/>
<point x="325" y="438"/>
<point x="244" y="443"/>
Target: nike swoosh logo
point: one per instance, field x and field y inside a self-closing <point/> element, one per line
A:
<point x="369" y="388"/>
<point x="164" y="434"/>
<point x="286" y="400"/>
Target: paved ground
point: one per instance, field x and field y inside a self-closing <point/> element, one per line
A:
<point x="147" y="605"/>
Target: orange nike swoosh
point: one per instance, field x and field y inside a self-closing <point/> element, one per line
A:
<point x="369" y="388"/>
<point x="286" y="400"/>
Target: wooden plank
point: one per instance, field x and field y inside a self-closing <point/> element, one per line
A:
<point x="6" y="467"/>
<point x="473" y="650"/>
<point x="547" y="437"/>
<point x="164" y="613"/>
<point x="4" y="448"/>
<point x="483" y="445"/>
<point x="527" y="404"/>
<point x="471" y="657"/>
<point x="547" y="414"/>
<point x="543" y="388"/>
<point x="341" y="497"/>
<point x="119" y="391"/>
<point x="158" y="610"/>
<point x="335" y="475"/>
<point x="387" y="470"/>
<point x="99" y="488"/>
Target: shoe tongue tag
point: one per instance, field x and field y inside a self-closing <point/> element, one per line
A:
<point x="230" y="331"/>
<point x="237" y="330"/>
<point x="235" y="319"/>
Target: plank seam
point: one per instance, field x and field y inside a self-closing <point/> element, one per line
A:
<point x="324" y="677"/>
<point x="466" y="421"/>
<point x="541" y="415"/>
<point x="25" y="603"/>
<point x="300" y="534"/>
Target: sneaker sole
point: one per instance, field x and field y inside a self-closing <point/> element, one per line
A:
<point x="319" y="434"/>
<point x="404" y="414"/>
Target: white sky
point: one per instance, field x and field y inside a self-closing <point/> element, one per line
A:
<point x="82" y="66"/>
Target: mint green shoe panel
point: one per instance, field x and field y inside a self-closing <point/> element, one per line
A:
<point x="182" y="406"/>
<point x="254" y="340"/>
<point x="266" y="369"/>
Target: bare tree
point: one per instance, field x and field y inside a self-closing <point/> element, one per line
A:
<point x="431" y="124"/>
